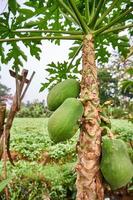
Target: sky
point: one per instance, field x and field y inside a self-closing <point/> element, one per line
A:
<point x="50" y="52"/>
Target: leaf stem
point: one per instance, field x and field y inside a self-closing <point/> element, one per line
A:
<point x="47" y="31"/>
<point x="76" y="53"/>
<point x="68" y="17"/>
<point x="79" y="16"/>
<point x="97" y="11"/>
<point x="93" y="9"/>
<point x="69" y="11"/>
<point x="113" y="22"/>
<point x="76" y="37"/>
<point x="119" y="28"/>
<point x="106" y="13"/>
<point x="87" y="11"/>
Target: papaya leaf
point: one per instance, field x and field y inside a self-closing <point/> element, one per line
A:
<point x="74" y="48"/>
<point x="42" y="15"/>
<point x="16" y="55"/>
<point x="12" y="6"/>
<point x="2" y="57"/>
<point x="59" y="72"/>
<point x="44" y="86"/>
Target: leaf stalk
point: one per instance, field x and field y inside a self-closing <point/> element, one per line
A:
<point x="76" y="37"/>
<point x="79" y="16"/>
<point x="47" y="31"/>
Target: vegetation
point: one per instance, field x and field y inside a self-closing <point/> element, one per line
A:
<point x="42" y="167"/>
<point x="4" y="92"/>
<point x="34" y="109"/>
<point x="93" y="25"/>
<point x="127" y="84"/>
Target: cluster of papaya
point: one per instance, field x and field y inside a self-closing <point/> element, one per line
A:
<point x="116" y="165"/>
<point x="68" y="110"/>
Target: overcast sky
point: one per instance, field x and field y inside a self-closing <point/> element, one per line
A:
<point x="50" y="52"/>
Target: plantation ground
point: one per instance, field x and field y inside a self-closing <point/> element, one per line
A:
<point x="45" y="168"/>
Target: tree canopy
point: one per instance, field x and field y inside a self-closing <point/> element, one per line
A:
<point x="4" y="91"/>
<point x="35" y="20"/>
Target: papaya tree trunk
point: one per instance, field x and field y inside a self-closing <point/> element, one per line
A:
<point x="89" y="185"/>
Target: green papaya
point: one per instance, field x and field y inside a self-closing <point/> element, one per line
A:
<point x="116" y="165"/>
<point x="63" y="123"/>
<point x="61" y="91"/>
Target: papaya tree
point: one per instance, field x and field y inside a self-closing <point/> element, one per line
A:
<point x="93" y="25"/>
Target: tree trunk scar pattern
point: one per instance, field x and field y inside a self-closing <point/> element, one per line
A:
<point x="89" y="185"/>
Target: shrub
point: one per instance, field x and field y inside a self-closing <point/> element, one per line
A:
<point x="34" y="181"/>
<point x="35" y="109"/>
<point x="117" y="112"/>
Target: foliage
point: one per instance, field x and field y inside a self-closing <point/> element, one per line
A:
<point x="4" y="92"/>
<point x="127" y="84"/>
<point x="4" y="183"/>
<point x="62" y="17"/>
<point x="59" y="72"/>
<point x="58" y="21"/>
<point x="37" y="181"/>
<point x="32" y="177"/>
<point x="63" y="151"/>
<point x="108" y="85"/>
<point x="35" y="109"/>
<point x="117" y="112"/>
<point x="29" y="137"/>
<point x="32" y="137"/>
<point x="123" y="129"/>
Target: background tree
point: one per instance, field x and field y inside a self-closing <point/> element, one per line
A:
<point x="127" y="84"/>
<point x="4" y="91"/>
<point x="108" y="86"/>
<point x="3" y="94"/>
<point x="93" y="25"/>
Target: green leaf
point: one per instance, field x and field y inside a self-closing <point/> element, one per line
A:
<point x="41" y="15"/>
<point x="44" y="86"/>
<point x="130" y="71"/>
<point x="16" y="55"/>
<point x="74" y="49"/>
<point x="2" y="57"/>
<point x="59" y="72"/>
<point x="27" y="12"/>
<point x="12" y="6"/>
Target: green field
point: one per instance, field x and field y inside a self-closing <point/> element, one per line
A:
<point x="44" y="167"/>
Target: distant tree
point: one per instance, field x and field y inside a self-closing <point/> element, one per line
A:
<point x="4" y="91"/>
<point x="108" y="87"/>
<point x="127" y="84"/>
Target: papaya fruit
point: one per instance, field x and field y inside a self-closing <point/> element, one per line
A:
<point x="116" y="165"/>
<point x="62" y="91"/>
<point x="63" y="123"/>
